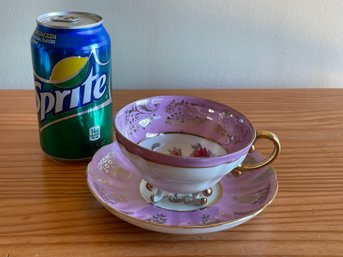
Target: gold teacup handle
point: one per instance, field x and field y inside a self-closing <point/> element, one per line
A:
<point x="261" y="134"/>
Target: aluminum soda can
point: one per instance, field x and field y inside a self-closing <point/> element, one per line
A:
<point x="71" y="57"/>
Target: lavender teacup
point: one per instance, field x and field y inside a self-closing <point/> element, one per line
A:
<point x="185" y="145"/>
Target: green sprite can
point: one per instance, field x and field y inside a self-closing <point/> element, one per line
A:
<point x="71" y="57"/>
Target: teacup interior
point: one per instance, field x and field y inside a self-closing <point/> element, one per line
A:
<point x="221" y="127"/>
<point x="183" y="145"/>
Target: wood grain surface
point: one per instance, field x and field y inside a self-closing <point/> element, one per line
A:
<point x="46" y="208"/>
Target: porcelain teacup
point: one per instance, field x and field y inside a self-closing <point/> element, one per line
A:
<point x="185" y="144"/>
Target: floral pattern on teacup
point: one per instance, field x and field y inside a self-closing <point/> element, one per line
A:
<point x="139" y="116"/>
<point x="198" y="151"/>
<point x="186" y="113"/>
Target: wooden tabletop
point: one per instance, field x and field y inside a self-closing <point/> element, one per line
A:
<point x="46" y="208"/>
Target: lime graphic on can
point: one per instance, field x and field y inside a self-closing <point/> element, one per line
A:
<point x="73" y="84"/>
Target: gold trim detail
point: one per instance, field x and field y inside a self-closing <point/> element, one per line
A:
<point x="261" y="134"/>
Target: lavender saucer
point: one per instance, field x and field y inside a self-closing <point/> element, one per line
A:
<point x="115" y="183"/>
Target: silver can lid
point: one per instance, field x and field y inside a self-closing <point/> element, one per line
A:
<point x="69" y="20"/>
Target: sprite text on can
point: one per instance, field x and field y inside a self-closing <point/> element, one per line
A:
<point x="71" y="56"/>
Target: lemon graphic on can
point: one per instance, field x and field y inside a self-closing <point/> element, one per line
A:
<point x="69" y="71"/>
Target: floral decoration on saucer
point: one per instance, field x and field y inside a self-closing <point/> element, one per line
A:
<point x="115" y="183"/>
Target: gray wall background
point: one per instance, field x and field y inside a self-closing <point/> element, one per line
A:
<point x="196" y="43"/>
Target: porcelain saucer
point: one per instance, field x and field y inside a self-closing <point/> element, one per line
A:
<point x="116" y="183"/>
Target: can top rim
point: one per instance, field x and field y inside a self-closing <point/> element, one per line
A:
<point x="69" y="20"/>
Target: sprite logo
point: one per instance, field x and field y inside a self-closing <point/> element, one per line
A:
<point x="77" y="85"/>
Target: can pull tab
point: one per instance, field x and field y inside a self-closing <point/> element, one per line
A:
<point x="65" y="19"/>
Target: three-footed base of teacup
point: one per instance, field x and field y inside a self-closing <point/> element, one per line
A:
<point x="180" y="201"/>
